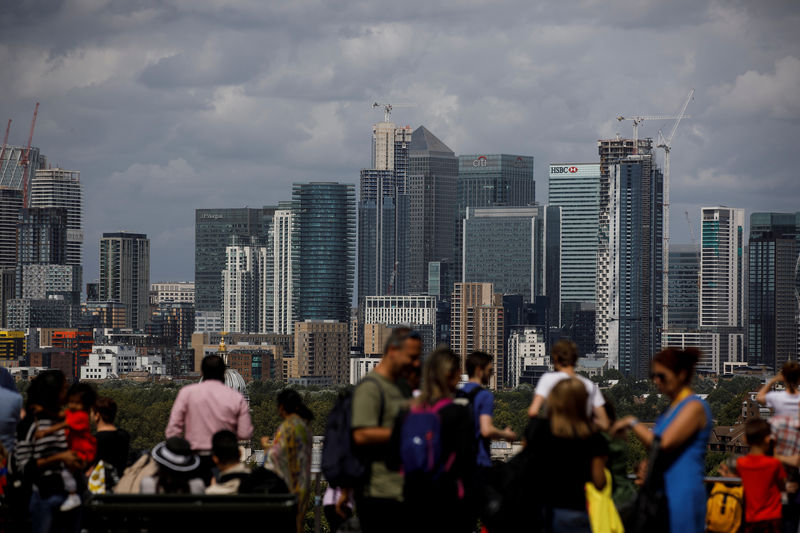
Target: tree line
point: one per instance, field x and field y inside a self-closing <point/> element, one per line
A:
<point x="143" y="408"/>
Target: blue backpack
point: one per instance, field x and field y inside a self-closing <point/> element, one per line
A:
<point x="421" y="441"/>
<point x="342" y="464"/>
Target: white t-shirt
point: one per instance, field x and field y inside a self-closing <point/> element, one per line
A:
<point x="784" y="403"/>
<point x="551" y="379"/>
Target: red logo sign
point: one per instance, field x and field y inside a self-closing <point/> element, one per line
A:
<point x="573" y="170"/>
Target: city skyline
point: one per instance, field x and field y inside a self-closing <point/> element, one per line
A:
<point x="166" y="109"/>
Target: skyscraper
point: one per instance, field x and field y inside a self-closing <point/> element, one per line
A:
<point x="772" y="303"/>
<point x="630" y="264"/>
<point x="278" y="289"/>
<point x="611" y="151"/>
<point x="125" y="274"/>
<point x="432" y="190"/>
<point x="57" y="187"/>
<point x="11" y="171"/>
<point x="722" y="268"/>
<point x="10" y="206"/>
<point x="575" y="187"/>
<point x="495" y="179"/>
<point x="323" y="241"/>
<point x="507" y="246"/>
<point x="489" y="180"/>
<point x="383" y="213"/>
<point x="684" y="291"/>
<point x="214" y="231"/>
<point x="477" y="322"/>
<point x="42" y="236"/>
<point x="241" y="279"/>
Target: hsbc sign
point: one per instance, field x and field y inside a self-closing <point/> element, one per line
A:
<point x="563" y="170"/>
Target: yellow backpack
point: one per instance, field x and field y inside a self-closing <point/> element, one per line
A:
<point x="724" y="510"/>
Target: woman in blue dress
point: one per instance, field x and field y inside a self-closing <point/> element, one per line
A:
<point x="684" y="429"/>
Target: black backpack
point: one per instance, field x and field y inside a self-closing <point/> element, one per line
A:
<point x="470" y="397"/>
<point x="342" y="464"/>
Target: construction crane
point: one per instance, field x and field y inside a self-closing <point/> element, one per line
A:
<point x="666" y="145"/>
<point x="25" y="161"/>
<point x="387" y="109"/>
<point x="638" y="119"/>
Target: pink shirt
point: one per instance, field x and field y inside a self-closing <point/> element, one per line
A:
<point x="202" y="409"/>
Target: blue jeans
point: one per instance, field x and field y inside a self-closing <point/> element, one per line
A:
<point x="570" y="521"/>
<point x="45" y="511"/>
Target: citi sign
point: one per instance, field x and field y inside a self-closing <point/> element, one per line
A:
<point x="563" y="170"/>
<point x="480" y="162"/>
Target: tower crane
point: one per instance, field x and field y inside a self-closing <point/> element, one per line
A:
<point x="666" y="144"/>
<point x="387" y="109"/>
<point x="25" y="162"/>
<point x="638" y="119"/>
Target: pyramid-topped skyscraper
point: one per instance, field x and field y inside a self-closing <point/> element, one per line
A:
<point x="432" y="189"/>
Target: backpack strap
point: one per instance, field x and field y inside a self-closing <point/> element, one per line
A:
<point x="474" y="394"/>
<point x="440" y="404"/>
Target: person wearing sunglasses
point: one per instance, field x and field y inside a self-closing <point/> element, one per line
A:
<point x="683" y="430"/>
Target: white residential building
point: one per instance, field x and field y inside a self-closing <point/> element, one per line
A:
<point x="722" y="268"/>
<point x="108" y="361"/>
<point x="240" y="302"/>
<point x="397" y="310"/>
<point x="362" y="365"/>
<point x="526" y="347"/>
<point x="172" y="291"/>
<point x="276" y="290"/>
<point x="207" y="321"/>
<point x="416" y="312"/>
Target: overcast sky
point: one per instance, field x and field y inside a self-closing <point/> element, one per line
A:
<point x="168" y="106"/>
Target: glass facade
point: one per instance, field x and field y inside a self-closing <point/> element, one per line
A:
<point x="383" y="214"/>
<point x="489" y="180"/>
<point x="432" y="191"/>
<point x="684" y="276"/>
<point x="575" y="187"/>
<point x="637" y="258"/>
<point x="508" y="246"/>
<point x="215" y="229"/>
<point x="125" y="274"/>
<point x="323" y="250"/>
<point x="772" y="304"/>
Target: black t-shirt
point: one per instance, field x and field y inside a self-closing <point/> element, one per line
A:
<point x="566" y="464"/>
<point x="113" y="448"/>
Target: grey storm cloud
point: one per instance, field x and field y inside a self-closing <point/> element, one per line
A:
<point x="166" y="106"/>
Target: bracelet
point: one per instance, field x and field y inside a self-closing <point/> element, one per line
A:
<point x="632" y="424"/>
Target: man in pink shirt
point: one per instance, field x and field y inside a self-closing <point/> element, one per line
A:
<point x="202" y="409"/>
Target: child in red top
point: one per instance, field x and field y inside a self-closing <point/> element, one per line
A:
<point x="80" y="400"/>
<point x="763" y="479"/>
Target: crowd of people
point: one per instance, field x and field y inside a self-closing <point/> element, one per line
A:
<point x="418" y="448"/>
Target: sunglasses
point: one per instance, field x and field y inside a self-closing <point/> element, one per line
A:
<point x="658" y="375"/>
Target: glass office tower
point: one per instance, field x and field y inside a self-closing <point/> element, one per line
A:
<point x="323" y="250"/>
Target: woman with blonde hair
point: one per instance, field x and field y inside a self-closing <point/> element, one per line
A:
<point x="438" y="489"/>
<point x="576" y="454"/>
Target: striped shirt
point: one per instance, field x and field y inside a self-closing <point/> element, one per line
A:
<point x="30" y="448"/>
